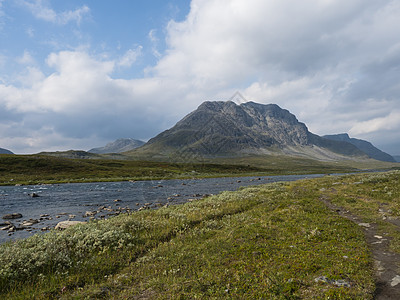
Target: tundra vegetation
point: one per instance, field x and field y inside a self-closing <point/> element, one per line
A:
<point x="35" y="169"/>
<point x="274" y="241"/>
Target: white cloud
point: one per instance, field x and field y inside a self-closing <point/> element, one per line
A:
<point x="40" y="9"/>
<point x="74" y="16"/>
<point x="388" y="122"/>
<point x="80" y="101"/>
<point x="154" y="42"/>
<point x="130" y="57"/>
<point x="153" y="35"/>
<point x="26" y="59"/>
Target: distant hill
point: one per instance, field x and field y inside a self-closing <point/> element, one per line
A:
<point x="5" y="151"/>
<point x="71" y="154"/>
<point x="118" y="146"/>
<point x="397" y="158"/>
<point x="223" y="129"/>
<point x="364" y="146"/>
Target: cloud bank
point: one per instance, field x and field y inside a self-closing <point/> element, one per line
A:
<point x="334" y="64"/>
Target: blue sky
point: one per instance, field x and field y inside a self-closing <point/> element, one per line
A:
<point x="77" y="74"/>
<point x="104" y="28"/>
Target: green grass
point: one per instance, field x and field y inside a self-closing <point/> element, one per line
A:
<point x="34" y="169"/>
<point x="264" y="242"/>
<point x="374" y="197"/>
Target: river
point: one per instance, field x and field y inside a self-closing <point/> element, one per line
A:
<point x="61" y="202"/>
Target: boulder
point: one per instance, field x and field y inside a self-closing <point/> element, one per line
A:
<point x="29" y="222"/>
<point x="7" y="227"/>
<point x="65" y="224"/>
<point x="12" y="216"/>
<point x="33" y="195"/>
<point x="90" y="213"/>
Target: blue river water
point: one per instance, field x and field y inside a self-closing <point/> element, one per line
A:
<point x="61" y="202"/>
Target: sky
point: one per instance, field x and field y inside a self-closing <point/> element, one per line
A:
<point x="78" y="74"/>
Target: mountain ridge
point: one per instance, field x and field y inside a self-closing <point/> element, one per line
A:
<point x="223" y="128"/>
<point x="5" y="151"/>
<point x="364" y="146"/>
<point x="118" y="146"/>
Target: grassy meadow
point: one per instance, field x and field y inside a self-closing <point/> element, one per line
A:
<point x="40" y="168"/>
<point x="274" y="241"/>
<point x="34" y="169"/>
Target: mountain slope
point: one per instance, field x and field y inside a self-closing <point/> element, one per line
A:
<point x="118" y="146"/>
<point x="364" y="146"/>
<point x="5" y="151"/>
<point x="220" y="129"/>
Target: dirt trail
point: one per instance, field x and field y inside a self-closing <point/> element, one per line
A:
<point x="386" y="261"/>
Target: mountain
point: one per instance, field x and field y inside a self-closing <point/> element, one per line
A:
<point x="364" y="146"/>
<point x="5" y="151"/>
<point x="221" y="129"/>
<point x="118" y="146"/>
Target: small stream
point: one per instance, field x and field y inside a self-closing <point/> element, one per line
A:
<point x="61" y="202"/>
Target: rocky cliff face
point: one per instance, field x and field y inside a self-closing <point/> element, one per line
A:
<point x="118" y="146"/>
<point x="5" y="151"/>
<point x="364" y="146"/>
<point x="225" y="128"/>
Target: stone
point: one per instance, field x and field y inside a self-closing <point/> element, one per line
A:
<point x="12" y="216"/>
<point x="21" y="227"/>
<point x="339" y="282"/>
<point x="6" y="227"/>
<point x="366" y="225"/>
<point x="395" y="280"/>
<point x="90" y="213"/>
<point x="29" y="222"/>
<point x="66" y="224"/>
<point x="33" y="195"/>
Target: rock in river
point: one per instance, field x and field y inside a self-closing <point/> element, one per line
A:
<point x="65" y="224"/>
<point x="30" y="222"/>
<point x="12" y="216"/>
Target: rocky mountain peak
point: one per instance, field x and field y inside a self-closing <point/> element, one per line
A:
<point x="226" y="127"/>
<point x="118" y="146"/>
